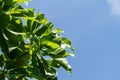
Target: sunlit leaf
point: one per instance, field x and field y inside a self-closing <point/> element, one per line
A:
<point x="49" y="43"/>
<point x="21" y="12"/>
<point x="31" y="48"/>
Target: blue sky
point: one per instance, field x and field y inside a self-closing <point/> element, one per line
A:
<point x="93" y="26"/>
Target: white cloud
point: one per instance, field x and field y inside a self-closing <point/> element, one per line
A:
<point x="115" y="6"/>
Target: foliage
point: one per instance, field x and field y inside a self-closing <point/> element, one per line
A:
<point x="30" y="46"/>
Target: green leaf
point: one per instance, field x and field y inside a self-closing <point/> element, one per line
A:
<point x="4" y="20"/>
<point x="45" y="30"/>
<point x="32" y="25"/>
<point x="15" y="53"/>
<point x="8" y="2"/>
<point x="36" y="58"/>
<point x="59" y="51"/>
<point x="36" y="73"/>
<point x="53" y="78"/>
<point x="41" y="67"/>
<point x="40" y="16"/>
<point x="57" y="40"/>
<point x="2" y="61"/>
<point x="38" y="69"/>
<point x="16" y="74"/>
<point x="16" y="25"/>
<point x="57" y="30"/>
<point x="2" y="75"/>
<point x="43" y="61"/>
<point x="28" y="25"/>
<point x="22" y="1"/>
<point x="15" y="12"/>
<point x="66" y="41"/>
<point x="21" y="61"/>
<point x="55" y="64"/>
<point x="3" y="45"/>
<point x="35" y="26"/>
<point x="64" y="63"/>
<point x="12" y="37"/>
<point x="50" y="43"/>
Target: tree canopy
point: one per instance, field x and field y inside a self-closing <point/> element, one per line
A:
<point x="30" y="46"/>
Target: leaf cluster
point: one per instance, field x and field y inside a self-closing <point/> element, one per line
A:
<point x="31" y="47"/>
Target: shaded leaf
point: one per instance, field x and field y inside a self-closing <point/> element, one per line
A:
<point x="59" y="51"/>
<point x="16" y="26"/>
<point x="45" y="30"/>
<point x="38" y="69"/>
<point x="64" y="63"/>
<point x="55" y="64"/>
<point x="2" y="61"/>
<point x="2" y="75"/>
<point x="12" y="37"/>
<point x="19" y="62"/>
<point x="3" y="45"/>
<point x="41" y="68"/>
<point x="4" y="20"/>
<point x="15" y="53"/>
